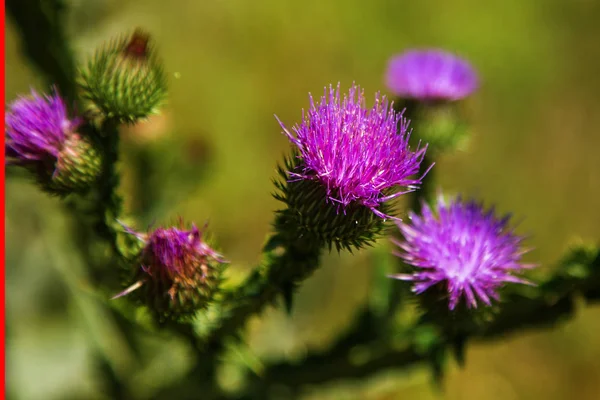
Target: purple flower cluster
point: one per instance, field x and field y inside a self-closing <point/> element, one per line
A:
<point x="430" y="75"/>
<point x="360" y="155"/>
<point x="464" y="247"/>
<point x="37" y="128"/>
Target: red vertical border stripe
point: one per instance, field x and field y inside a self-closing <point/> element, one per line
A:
<point x="3" y="213"/>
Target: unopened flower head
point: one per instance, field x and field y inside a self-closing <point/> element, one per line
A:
<point x="360" y="155"/>
<point x="179" y="270"/>
<point x="124" y="80"/>
<point x="429" y="75"/>
<point x="464" y="247"/>
<point x="41" y="137"/>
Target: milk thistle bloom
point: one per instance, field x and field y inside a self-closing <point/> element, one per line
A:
<point x="465" y="248"/>
<point x="179" y="270"/>
<point x="41" y="137"/>
<point x="359" y="155"/>
<point x="430" y="75"/>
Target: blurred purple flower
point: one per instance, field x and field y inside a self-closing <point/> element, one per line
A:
<point x="37" y="128"/>
<point x="360" y="155"/>
<point x="179" y="269"/>
<point x="174" y="253"/>
<point x="464" y="247"/>
<point x="430" y="75"/>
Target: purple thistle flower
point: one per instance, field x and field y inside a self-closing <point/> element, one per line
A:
<point x="464" y="247"/>
<point x="37" y="128"/>
<point x="178" y="268"/>
<point x="430" y="75"/>
<point x="172" y="252"/>
<point x="360" y="155"/>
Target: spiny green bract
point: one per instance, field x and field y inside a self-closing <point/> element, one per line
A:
<point x="124" y="80"/>
<point x="179" y="298"/>
<point x="310" y="214"/>
<point x="176" y="273"/>
<point x="76" y="169"/>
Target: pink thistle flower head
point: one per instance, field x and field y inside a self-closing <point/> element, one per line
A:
<point x="175" y="252"/>
<point x="37" y="128"/>
<point x="429" y="75"/>
<point x="41" y="137"/>
<point x="464" y="247"/>
<point x="179" y="272"/>
<point x="360" y="155"/>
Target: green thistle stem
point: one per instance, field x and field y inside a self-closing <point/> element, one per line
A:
<point x="109" y="204"/>
<point x="553" y="302"/>
<point x="41" y="25"/>
<point x="290" y="260"/>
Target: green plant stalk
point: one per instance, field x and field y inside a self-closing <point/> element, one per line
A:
<point x="289" y="260"/>
<point x="109" y="204"/>
<point x="553" y="302"/>
<point x="41" y="25"/>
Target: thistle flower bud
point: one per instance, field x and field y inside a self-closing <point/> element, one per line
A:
<point x="179" y="272"/>
<point x="348" y="163"/>
<point x="124" y="80"/>
<point x="42" y="138"/>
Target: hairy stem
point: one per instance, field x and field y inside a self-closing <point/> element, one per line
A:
<point x="290" y="262"/>
<point x="552" y="303"/>
<point x="109" y="203"/>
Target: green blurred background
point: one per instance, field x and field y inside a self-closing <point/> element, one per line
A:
<point x="232" y="64"/>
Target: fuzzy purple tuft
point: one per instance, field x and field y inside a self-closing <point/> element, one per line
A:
<point x="464" y="247"/>
<point x="430" y="75"/>
<point x="360" y="155"/>
<point x="37" y="128"/>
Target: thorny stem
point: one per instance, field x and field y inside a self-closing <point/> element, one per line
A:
<point x="553" y="303"/>
<point x="291" y="261"/>
<point x="108" y="202"/>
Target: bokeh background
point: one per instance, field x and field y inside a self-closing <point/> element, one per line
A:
<point x="232" y="65"/>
